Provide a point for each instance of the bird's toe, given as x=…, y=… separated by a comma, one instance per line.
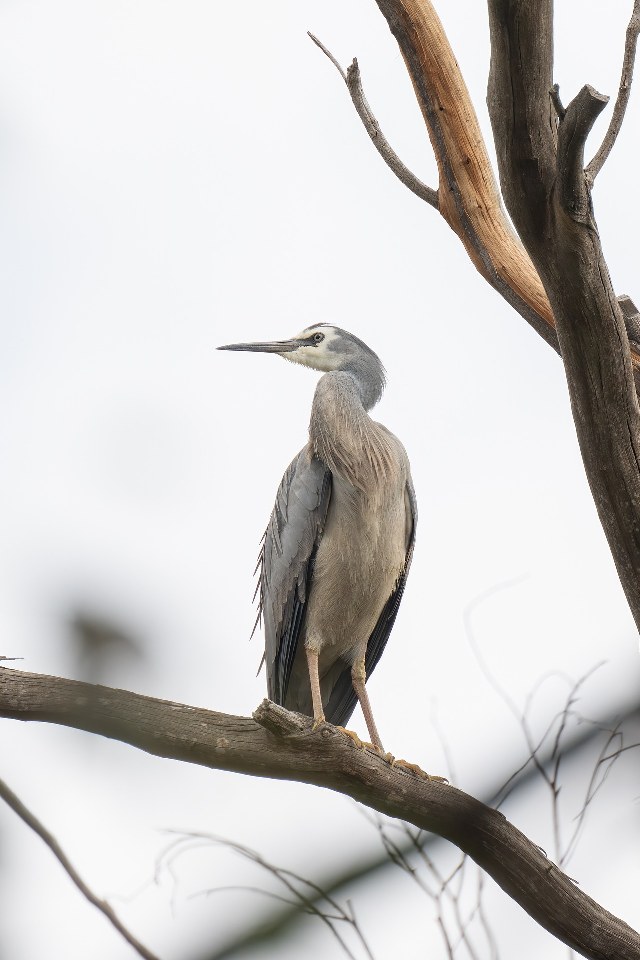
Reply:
x=362, y=745
x=415, y=769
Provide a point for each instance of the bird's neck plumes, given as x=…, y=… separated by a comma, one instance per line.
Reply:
x=343, y=435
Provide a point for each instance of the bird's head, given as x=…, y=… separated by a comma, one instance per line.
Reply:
x=321, y=346
x=327, y=348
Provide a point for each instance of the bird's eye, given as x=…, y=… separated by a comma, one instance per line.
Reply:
x=318, y=337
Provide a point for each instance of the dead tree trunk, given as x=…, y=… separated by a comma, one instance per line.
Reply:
x=554, y=273
x=540, y=148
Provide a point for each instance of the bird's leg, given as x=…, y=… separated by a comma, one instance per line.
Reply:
x=358, y=677
x=314, y=680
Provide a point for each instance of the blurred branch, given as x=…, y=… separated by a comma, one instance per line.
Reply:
x=32, y=821
x=283, y=745
x=308, y=897
x=98, y=643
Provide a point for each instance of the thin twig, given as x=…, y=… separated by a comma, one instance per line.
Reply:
x=354, y=85
x=445, y=892
x=602, y=768
x=484, y=923
x=624, y=91
x=32, y=821
x=292, y=882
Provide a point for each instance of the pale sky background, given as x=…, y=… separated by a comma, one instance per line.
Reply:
x=178, y=175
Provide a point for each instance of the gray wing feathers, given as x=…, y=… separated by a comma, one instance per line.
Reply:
x=286, y=562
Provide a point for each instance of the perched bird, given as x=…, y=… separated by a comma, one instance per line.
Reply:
x=337, y=550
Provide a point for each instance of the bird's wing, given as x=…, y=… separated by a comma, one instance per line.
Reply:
x=343, y=700
x=286, y=563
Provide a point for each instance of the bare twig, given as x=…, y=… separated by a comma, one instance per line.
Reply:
x=308, y=895
x=443, y=890
x=371, y=125
x=105, y=908
x=549, y=767
x=484, y=923
x=594, y=167
x=557, y=731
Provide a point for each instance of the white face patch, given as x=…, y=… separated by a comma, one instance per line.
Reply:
x=317, y=355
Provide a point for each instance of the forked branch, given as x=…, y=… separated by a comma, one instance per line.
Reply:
x=549, y=200
x=467, y=196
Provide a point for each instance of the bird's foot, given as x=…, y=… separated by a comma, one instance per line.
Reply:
x=360, y=744
x=317, y=722
x=414, y=769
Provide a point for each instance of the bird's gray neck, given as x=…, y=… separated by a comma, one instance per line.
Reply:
x=342, y=433
x=368, y=375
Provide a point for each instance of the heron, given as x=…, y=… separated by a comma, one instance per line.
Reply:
x=337, y=550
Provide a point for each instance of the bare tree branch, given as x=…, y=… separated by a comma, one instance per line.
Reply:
x=581, y=735
x=624, y=92
x=354, y=85
x=631, y=319
x=468, y=197
x=283, y=745
x=105, y=908
x=548, y=197
x=575, y=125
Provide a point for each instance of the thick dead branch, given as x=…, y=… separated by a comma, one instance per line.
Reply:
x=353, y=81
x=328, y=758
x=547, y=194
x=574, y=128
x=624, y=92
x=548, y=197
x=468, y=197
x=268, y=931
x=105, y=908
x=631, y=316
x=477, y=217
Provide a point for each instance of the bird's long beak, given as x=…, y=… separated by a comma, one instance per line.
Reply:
x=273, y=346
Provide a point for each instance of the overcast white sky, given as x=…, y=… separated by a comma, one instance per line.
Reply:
x=178, y=175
